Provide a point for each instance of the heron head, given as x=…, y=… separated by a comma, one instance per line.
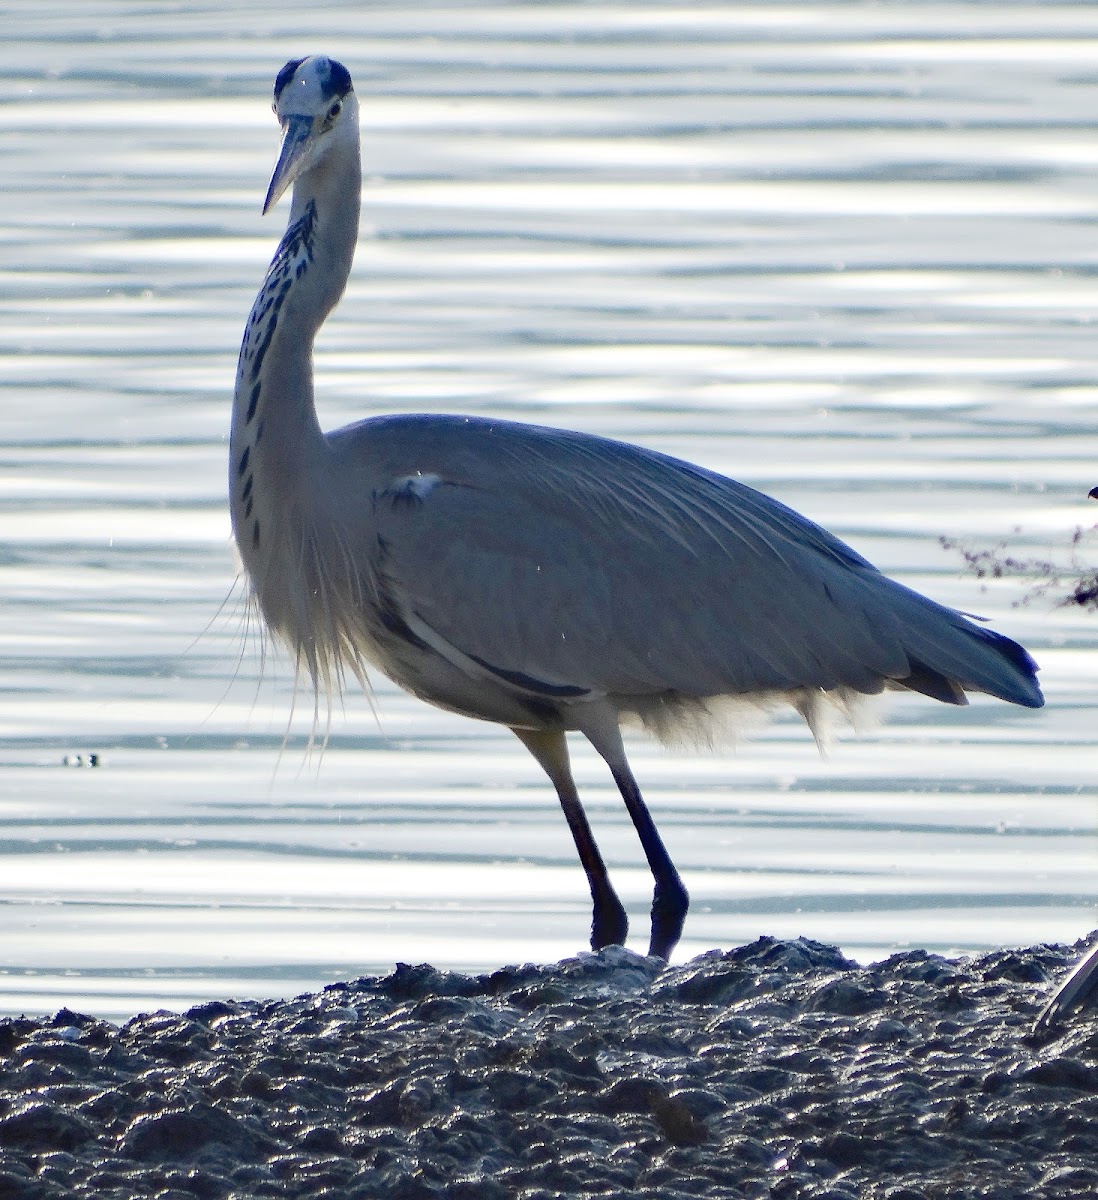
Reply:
x=316, y=106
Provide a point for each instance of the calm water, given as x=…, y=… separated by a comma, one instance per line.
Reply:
x=843, y=252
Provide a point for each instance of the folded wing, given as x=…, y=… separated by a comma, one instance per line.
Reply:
x=589, y=564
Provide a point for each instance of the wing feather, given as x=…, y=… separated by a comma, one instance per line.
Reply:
x=591, y=564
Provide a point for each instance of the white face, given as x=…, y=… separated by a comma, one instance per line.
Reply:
x=314, y=88
x=317, y=108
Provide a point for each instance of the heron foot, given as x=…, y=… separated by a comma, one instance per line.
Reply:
x=609, y=924
x=669, y=907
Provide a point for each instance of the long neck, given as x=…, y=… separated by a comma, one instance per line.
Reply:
x=273, y=409
x=278, y=454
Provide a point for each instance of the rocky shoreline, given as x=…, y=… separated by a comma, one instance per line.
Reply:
x=777, y=1069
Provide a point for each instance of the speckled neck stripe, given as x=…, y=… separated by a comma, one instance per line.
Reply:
x=292, y=259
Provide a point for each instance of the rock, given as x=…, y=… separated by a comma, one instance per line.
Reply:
x=1063, y=1073
x=849, y=997
x=40, y=1125
x=676, y=1119
x=183, y=1133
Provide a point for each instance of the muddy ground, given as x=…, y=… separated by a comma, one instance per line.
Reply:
x=779, y=1069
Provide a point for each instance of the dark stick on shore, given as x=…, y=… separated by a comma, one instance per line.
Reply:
x=777, y=1069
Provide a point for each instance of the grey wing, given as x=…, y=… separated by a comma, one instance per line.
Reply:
x=590, y=566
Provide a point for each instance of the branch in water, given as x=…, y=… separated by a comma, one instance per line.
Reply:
x=1047, y=578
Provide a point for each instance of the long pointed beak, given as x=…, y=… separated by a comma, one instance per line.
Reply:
x=291, y=157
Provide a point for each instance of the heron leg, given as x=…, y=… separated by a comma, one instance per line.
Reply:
x=609, y=924
x=670, y=900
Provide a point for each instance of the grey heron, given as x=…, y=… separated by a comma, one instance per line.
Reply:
x=547, y=580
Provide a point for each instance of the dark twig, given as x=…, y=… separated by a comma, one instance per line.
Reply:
x=1047, y=577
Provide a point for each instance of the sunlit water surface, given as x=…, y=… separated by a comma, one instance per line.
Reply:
x=843, y=252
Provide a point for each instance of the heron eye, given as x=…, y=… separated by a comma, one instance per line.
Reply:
x=335, y=110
